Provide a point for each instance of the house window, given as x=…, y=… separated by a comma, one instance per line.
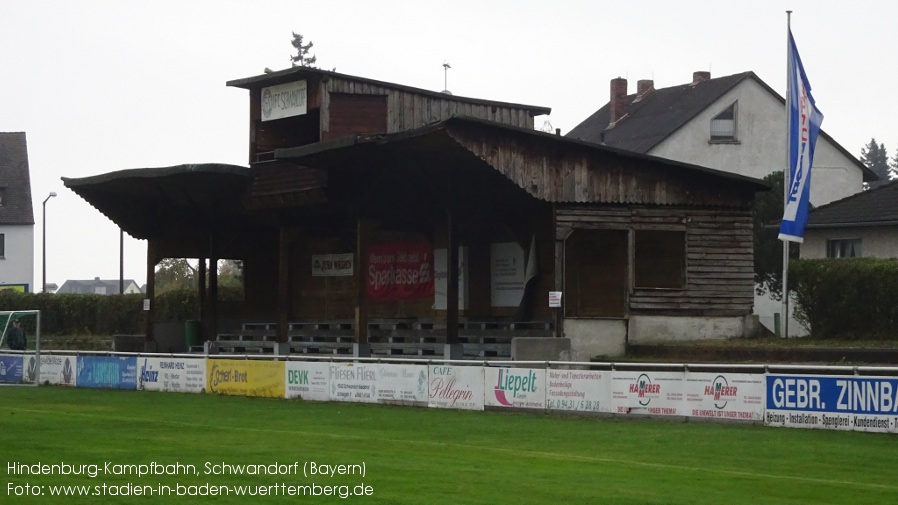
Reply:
x=723, y=125
x=2, y=246
x=843, y=248
x=660, y=259
x=99, y=290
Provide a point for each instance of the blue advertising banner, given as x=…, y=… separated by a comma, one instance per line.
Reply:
x=11, y=368
x=107, y=372
x=832, y=402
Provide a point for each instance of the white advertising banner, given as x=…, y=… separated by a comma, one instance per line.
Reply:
x=55, y=369
x=284, y=100
x=332, y=265
x=837, y=402
x=180, y=375
x=402, y=384
x=578, y=390
x=724, y=396
x=307, y=380
x=523, y=388
x=652, y=392
x=353, y=382
x=506, y=274
x=441, y=274
x=455, y=387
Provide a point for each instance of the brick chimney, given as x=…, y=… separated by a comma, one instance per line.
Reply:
x=618, y=100
x=644, y=85
x=700, y=76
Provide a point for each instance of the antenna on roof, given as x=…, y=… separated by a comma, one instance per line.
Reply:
x=446, y=68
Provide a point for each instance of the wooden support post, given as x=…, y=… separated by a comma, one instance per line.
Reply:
x=559, y=286
x=361, y=304
x=451, y=280
x=213, y=289
x=151, y=288
x=203, y=296
x=283, y=301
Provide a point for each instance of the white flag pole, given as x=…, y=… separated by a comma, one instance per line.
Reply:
x=787, y=171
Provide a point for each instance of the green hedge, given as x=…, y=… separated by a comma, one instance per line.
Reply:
x=66, y=314
x=847, y=298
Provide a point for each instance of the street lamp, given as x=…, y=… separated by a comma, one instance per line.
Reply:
x=51, y=195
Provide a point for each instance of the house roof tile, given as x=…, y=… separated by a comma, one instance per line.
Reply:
x=15, y=181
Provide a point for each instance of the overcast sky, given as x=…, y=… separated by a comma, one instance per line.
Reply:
x=100, y=86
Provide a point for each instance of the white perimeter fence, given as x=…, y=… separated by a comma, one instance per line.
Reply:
x=829, y=397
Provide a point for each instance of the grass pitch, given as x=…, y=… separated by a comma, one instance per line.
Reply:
x=419, y=455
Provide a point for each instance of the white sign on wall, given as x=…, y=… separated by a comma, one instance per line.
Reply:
x=455, y=387
x=332, y=265
x=441, y=274
x=724, y=396
x=353, y=382
x=55, y=369
x=307, y=380
x=284, y=100
x=649, y=392
x=171, y=374
x=506, y=274
x=523, y=388
x=402, y=384
x=578, y=390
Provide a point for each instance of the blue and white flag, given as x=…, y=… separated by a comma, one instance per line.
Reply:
x=804, y=125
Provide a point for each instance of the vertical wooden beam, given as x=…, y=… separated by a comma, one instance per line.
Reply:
x=559, y=286
x=451, y=280
x=213, y=286
x=151, y=288
x=283, y=301
x=561, y=234
x=203, y=298
x=361, y=303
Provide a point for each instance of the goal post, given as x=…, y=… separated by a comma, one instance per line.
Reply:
x=15, y=363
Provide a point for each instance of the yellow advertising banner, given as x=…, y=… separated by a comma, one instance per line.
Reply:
x=245, y=377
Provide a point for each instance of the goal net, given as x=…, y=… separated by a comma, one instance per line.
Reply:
x=20, y=347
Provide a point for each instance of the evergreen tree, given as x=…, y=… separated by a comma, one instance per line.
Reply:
x=876, y=158
x=766, y=213
x=302, y=57
x=893, y=168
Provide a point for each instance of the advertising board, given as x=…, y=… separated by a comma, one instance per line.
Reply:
x=847, y=402
x=107, y=372
x=180, y=375
x=455, y=387
x=245, y=377
x=724, y=396
x=647, y=392
x=578, y=390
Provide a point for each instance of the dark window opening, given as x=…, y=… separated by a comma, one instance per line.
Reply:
x=660, y=259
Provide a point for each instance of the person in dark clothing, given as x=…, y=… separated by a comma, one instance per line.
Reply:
x=15, y=337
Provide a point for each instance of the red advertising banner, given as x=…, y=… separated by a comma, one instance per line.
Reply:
x=399, y=271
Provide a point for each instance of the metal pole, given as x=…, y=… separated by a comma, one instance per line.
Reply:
x=787, y=173
x=44, y=241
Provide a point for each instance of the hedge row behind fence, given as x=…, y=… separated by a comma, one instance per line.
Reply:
x=847, y=298
x=67, y=314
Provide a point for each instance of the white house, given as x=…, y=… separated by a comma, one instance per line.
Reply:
x=861, y=225
x=734, y=123
x=97, y=286
x=16, y=215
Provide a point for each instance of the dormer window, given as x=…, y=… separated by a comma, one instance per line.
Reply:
x=723, y=125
